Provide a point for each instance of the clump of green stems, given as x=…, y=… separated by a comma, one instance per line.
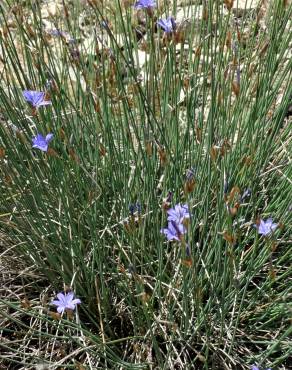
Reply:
x=128, y=130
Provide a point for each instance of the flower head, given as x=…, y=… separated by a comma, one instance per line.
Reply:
x=144, y=4
x=65, y=301
x=254, y=367
x=173, y=231
x=36, y=98
x=178, y=214
x=168, y=25
x=265, y=227
x=41, y=142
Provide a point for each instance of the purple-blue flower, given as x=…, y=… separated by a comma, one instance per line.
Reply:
x=266, y=227
x=173, y=231
x=168, y=25
x=57, y=32
x=41, y=142
x=36, y=98
x=65, y=301
x=254, y=367
x=144, y=4
x=178, y=214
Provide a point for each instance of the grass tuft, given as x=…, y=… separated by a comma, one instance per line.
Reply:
x=143, y=120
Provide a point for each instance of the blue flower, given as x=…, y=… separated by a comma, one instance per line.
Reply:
x=65, y=302
x=168, y=25
x=144, y=4
x=178, y=214
x=266, y=227
x=35, y=98
x=177, y=218
x=57, y=32
x=173, y=231
x=254, y=367
x=41, y=142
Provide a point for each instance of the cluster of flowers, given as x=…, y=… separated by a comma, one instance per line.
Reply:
x=67, y=302
x=37, y=99
x=168, y=24
x=178, y=218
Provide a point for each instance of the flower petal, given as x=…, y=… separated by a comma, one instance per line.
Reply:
x=68, y=297
x=61, y=297
x=44, y=102
x=27, y=94
x=38, y=97
x=70, y=306
x=61, y=309
x=49, y=137
x=76, y=301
